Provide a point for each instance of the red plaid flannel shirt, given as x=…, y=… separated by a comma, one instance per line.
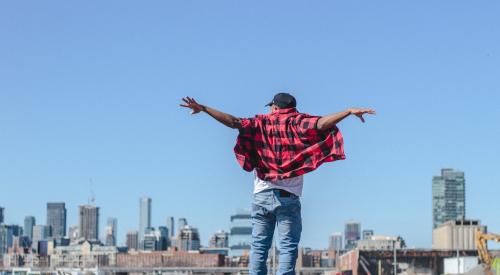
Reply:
x=286, y=144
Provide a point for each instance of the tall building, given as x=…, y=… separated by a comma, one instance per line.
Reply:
x=89, y=222
x=240, y=235
x=40, y=233
x=56, y=219
x=151, y=240
x=456, y=235
x=7, y=234
x=352, y=234
x=448, y=196
x=74, y=232
x=29, y=223
x=163, y=238
x=181, y=223
x=189, y=239
x=335, y=242
x=133, y=240
x=144, y=217
x=2, y=217
x=367, y=234
x=111, y=231
x=219, y=240
x=171, y=227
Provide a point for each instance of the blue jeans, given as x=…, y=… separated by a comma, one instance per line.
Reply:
x=268, y=210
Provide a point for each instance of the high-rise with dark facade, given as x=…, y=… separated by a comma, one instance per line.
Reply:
x=133, y=240
x=1, y=215
x=56, y=219
x=89, y=222
x=163, y=239
x=448, y=197
x=29, y=223
x=352, y=234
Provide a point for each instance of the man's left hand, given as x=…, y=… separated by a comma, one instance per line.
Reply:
x=360, y=112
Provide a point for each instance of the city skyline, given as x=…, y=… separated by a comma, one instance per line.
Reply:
x=353, y=230
x=99, y=99
x=56, y=214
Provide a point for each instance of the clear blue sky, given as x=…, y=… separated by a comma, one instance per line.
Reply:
x=91, y=89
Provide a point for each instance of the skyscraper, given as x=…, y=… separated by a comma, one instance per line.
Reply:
x=335, y=242
x=240, y=235
x=89, y=222
x=29, y=223
x=144, y=217
x=352, y=234
x=448, y=197
x=111, y=231
x=163, y=241
x=7, y=234
x=171, y=227
x=56, y=219
x=151, y=240
x=189, y=239
x=1, y=215
x=40, y=233
x=219, y=240
x=132, y=240
x=181, y=223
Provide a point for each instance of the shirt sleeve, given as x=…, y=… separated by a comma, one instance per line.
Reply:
x=247, y=129
x=245, y=147
x=307, y=125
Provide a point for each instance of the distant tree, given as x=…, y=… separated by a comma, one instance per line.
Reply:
x=402, y=241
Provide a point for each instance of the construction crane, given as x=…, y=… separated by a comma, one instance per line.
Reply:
x=491, y=263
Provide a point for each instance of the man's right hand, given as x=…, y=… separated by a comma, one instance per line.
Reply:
x=192, y=104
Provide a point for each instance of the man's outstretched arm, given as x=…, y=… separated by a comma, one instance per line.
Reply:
x=327, y=122
x=226, y=119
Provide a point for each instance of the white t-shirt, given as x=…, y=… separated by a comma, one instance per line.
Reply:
x=292, y=185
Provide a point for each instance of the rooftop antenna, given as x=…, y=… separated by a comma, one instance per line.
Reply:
x=92, y=195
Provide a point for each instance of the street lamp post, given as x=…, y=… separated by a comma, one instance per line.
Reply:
x=395, y=259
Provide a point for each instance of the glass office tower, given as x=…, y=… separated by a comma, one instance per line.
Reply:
x=448, y=196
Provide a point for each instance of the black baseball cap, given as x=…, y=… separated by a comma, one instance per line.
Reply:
x=283, y=100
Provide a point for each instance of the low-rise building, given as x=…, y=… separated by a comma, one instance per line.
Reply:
x=456, y=235
x=408, y=261
x=83, y=255
x=168, y=259
x=14, y=259
x=379, y=243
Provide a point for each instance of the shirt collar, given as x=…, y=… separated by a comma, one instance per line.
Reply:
x=285, y=111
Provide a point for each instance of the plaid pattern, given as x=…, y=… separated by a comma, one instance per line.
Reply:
x=286, y=144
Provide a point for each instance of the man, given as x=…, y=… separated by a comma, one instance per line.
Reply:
x=280, y=147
